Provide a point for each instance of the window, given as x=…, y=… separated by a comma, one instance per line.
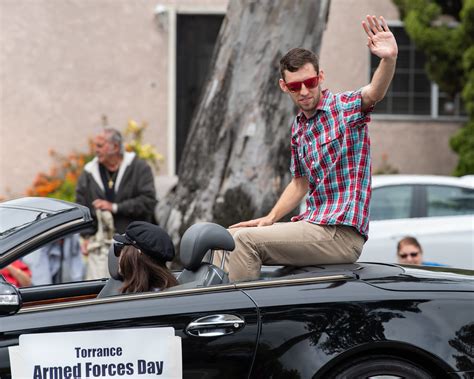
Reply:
x=195, y=40
x=58, y=261
x=391, y=202
x=13, y=220
x=411, y=91
x=449, y=201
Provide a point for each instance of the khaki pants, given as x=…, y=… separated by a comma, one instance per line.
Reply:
x=289, y=244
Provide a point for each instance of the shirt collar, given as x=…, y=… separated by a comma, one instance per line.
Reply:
x=323, y=105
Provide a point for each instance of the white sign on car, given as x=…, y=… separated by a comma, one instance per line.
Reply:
x=116, y=353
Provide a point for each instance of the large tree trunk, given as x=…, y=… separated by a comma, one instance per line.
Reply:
x=236, y=160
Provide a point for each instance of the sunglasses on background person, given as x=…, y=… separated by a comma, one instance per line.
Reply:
x=118, y=247
x=413, y=255
x=308, y=83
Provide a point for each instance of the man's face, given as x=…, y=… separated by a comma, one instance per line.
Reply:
x=104, y=149
x=410, y=254
x=305, y=98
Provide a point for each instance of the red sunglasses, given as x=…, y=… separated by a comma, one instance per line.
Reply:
x=308, y=83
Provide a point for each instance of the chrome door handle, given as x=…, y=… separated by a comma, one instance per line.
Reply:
x=214, y=326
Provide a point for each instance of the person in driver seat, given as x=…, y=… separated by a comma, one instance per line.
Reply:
x=143, y=251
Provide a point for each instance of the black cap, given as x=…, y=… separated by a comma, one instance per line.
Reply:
x=150, y=239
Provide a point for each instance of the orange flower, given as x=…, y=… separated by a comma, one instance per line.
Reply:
x=71, y=177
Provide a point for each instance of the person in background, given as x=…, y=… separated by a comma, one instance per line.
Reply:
x=57, y=262
x=143, y=251
x=118, y=182
x=17, y=273
x=409, y=252
x=118, y=185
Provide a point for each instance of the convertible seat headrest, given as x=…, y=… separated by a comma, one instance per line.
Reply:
x=199, y=239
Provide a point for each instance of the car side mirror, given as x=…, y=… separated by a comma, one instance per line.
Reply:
x=10, y=299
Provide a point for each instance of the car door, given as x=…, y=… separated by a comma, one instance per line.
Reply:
x=391, y=218
x=441, y=217
x=218, y=325
x=446, y=231
x=296, y=315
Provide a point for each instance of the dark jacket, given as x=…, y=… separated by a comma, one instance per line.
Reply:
x=135, y=194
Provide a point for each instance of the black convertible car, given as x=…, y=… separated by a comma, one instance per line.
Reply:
x=363, y=320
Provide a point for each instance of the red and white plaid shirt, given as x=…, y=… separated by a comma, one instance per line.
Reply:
x=332, y=149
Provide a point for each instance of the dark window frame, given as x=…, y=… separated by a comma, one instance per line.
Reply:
x=433, y=97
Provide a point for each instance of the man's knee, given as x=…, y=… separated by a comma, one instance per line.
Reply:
x=243, y=236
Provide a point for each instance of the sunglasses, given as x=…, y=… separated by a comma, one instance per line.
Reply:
x=308, y=83
x=413, y=255
x=118, y=247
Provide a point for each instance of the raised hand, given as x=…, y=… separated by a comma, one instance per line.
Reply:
x=381, y=41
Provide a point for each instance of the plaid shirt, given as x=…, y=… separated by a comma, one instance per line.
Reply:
x=332, y=149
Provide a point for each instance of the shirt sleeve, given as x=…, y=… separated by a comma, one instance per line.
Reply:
x=296, y=167
x=352, y=105
x=39, y=264
x=76, y=268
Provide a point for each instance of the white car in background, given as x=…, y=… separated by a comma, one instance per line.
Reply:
x=437, y=210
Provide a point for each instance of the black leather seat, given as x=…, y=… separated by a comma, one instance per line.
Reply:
x=200, y=239
x=112, y=287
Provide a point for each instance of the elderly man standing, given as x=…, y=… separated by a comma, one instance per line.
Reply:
x=116, y=183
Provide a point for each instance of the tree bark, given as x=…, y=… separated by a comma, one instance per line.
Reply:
x=237, y=155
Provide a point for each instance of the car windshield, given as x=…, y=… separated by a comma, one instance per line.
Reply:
x=13, y=219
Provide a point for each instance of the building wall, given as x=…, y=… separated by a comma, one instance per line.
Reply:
x=66, y=63
x=412, y=146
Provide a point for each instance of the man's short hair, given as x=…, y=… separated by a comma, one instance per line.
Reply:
x=114, y=136
x=297, y=58
x=408, y=240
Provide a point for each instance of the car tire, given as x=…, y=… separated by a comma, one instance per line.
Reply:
x=383, y=366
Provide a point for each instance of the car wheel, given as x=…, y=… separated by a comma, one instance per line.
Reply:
x=381, y=367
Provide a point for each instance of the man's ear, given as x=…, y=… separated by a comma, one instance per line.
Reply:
x=116, y=148
x=282, y=84
x=321, y=76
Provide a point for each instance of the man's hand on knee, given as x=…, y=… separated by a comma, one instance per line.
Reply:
x=262, y=221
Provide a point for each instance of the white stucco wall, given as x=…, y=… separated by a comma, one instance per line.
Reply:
x=65, y=63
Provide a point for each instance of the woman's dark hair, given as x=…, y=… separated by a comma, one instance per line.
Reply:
x=141, y=273
x=297, y=58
